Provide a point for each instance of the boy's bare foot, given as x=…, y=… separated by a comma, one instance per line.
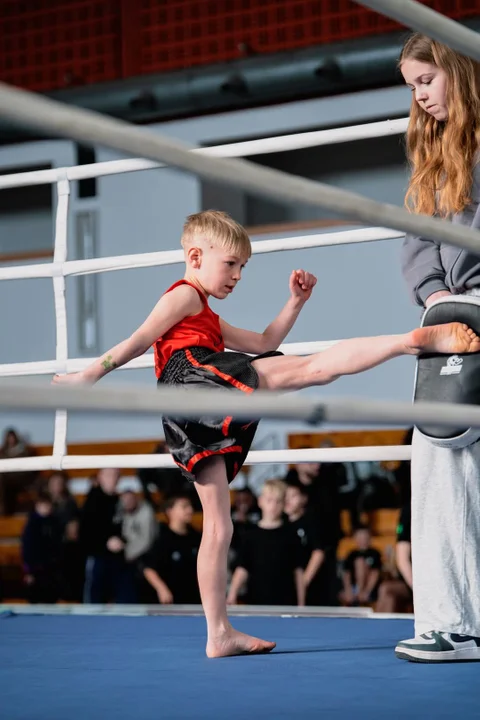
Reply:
x=233, y=642
x=449, y=338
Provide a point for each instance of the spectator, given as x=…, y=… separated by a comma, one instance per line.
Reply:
x=245, y=515
x=171, y=566
x=72, y=559
x=270, y=557
x=323, y=482
x=72, y=564
x=308, y=532
x=41, y=547
x=395, y=595
x=107, y=576
x=245, y=507
x=11, y=484
x=139, y=526
x=361, y=572
x=65, y=508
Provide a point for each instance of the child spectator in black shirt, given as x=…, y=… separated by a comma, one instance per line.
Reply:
x=41, y=546
x=361, y=571
x=270, y=557
x=245, y=516
x=308, y=530
x=171, y=566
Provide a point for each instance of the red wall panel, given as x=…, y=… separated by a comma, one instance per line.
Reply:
x=47, y=44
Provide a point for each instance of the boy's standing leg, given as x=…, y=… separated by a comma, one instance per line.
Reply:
x=213, y=490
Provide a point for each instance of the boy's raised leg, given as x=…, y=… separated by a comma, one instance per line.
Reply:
x=213, y=490
x=356, y=355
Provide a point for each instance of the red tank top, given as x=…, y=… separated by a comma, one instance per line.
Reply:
x=201, y=330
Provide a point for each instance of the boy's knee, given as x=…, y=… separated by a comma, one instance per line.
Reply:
x=316, y=373
x=220, y=532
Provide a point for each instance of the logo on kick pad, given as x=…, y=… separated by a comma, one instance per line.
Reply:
x=453, y=367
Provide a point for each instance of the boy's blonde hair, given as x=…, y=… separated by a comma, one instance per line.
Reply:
x=218, y=228
x=276, y=486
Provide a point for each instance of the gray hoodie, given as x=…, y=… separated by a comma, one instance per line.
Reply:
x=429, y=266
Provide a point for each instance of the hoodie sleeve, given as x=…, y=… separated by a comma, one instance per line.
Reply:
x=422, y=268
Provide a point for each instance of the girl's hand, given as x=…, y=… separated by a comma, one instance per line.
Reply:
x=302, y=284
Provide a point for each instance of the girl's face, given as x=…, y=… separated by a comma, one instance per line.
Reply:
x=429, y=83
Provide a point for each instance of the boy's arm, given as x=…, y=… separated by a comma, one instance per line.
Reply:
x=300, y=586
x=239, y=578
x=161, y=588
x=314, y=564
x=403, y=554
x=301, y=286
x=170, y=310
x=347, y=575
x=347, y=581
x=372, y=579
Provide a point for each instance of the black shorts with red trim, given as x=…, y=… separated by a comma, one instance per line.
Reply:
x=192, y=442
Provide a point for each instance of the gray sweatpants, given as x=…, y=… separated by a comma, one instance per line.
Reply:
x=446, y=537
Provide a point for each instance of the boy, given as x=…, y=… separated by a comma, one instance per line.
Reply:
x=171, y=566
x=41, y=548
x=189, y=341
x=361, y=570
x=307, y=527
x=270, y=558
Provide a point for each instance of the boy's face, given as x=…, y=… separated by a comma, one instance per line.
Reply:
x=218, y=270
x=181, y=513
x=311, y=468
x=243, y=501
x=271, y=503
x=129, y=501
x=362, y=538
x=295, y=501
x=108, y=479
x=43, y=508
x=56, y=485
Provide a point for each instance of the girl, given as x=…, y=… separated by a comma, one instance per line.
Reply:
x=443, y=141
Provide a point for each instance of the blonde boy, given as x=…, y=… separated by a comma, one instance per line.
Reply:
x=189, y=340
x=270, y=559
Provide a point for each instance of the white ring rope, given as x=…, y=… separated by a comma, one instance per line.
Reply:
x=256, y=457
x=92, y=128
x=50, y=367
x=423, y=19
x=172, y=257
x=280, y=143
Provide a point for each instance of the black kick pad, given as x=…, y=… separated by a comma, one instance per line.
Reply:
x=450, y=378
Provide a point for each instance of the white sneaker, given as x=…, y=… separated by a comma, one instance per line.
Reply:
x=436, y=646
